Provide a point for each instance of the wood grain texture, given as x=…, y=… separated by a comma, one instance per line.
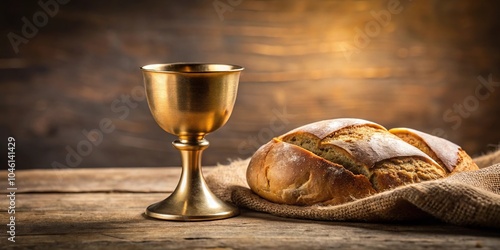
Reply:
x=104, y=180
x=304, y=62
x=108, y=220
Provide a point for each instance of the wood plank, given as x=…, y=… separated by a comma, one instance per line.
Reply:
x=103, y=209
x=96, y=180
x=115, y=221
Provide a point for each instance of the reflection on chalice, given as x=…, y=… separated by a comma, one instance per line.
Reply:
x=191, y=100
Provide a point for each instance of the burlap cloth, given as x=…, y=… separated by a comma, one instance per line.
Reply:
x=467, y=199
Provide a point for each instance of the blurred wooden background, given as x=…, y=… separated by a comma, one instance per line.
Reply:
x=421, y=64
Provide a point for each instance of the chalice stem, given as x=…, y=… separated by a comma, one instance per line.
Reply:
x=192, y=182
x=191, y=200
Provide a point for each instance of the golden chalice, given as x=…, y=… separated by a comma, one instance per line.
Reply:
x=191, y=100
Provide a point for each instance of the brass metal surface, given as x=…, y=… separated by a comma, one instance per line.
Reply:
x=191, y=100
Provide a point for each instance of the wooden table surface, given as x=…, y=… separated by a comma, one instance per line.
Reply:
x=103, y=209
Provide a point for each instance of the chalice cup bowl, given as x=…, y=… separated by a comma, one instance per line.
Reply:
x=190, y=100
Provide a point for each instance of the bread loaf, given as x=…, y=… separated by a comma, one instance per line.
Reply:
x=336, y=161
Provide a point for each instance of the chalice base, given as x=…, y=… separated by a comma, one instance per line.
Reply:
x=194, y=208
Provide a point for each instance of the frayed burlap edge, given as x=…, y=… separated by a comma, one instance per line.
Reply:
x=467, y=199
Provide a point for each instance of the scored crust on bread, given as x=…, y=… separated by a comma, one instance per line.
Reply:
x=336, y=161
x=285, y=173
x=364, y=147
x=447, y=154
